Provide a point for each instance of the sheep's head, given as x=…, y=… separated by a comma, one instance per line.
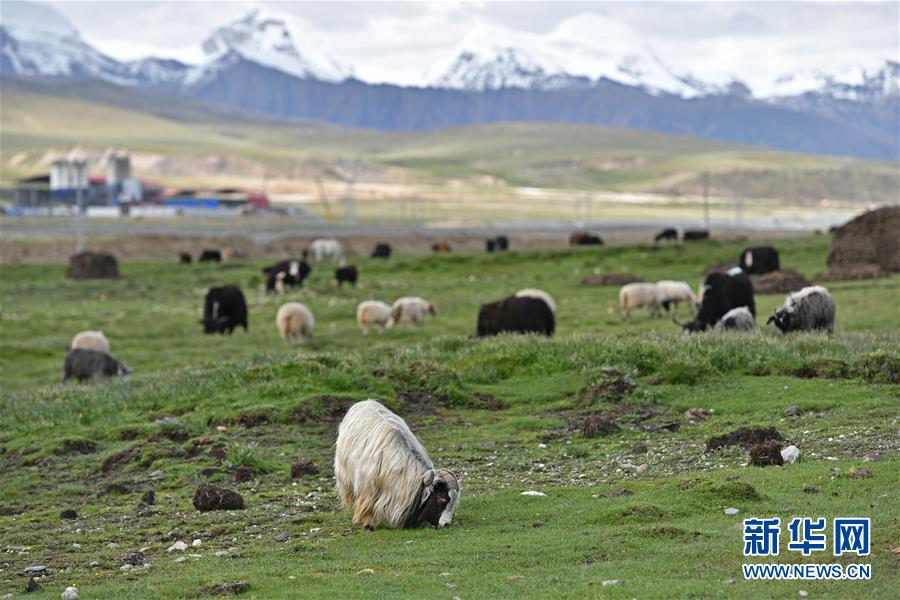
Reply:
x=440, y=495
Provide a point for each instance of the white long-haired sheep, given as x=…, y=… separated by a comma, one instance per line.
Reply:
x=540, y=295
x=677, y=292
x=373, y=312
x=636, y=295
x=90, y=340
x=736, y=319
x=811, y=308
x=294, y=322
x=323, y=248
x=384, y=474
x=412, y=309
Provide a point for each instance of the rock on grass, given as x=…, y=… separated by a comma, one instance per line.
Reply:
x=766, y=454
x=229, y=589
x=213, y=497
x=69, y=514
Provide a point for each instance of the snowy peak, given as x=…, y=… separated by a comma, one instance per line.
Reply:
x=29, y=21
x=580, y=50
x=282, y=42
x=852, y=83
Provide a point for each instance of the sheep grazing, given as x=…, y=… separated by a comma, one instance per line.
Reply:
x=412, y=309
x=383, y=473
x=502, y=243
x=382, y=250
x=490, y=246
x=82, y=364
x=348, y=274
x=516, y=315
x=540, y=295
x=737, y=319
x=210, y=256
x=184, y=258
x=441, y=246
x=719, y=294
x=759, y=260
x=669, y=234
x=637, y=295
x=809, y=309
x=91, y=340
x=695, y=235
x=319, y=250
x=373, y=312
x=294, y=322
x=677, y=292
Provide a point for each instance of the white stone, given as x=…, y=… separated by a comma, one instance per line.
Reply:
x=731, y=511
x=181, y=560
x=197, y=543
x=125, y=568
x=222, y=553
x=790, y=454
x=607, y=582
x=803, y=593
x=533, y=493
x=179, y=546
x=71, y=593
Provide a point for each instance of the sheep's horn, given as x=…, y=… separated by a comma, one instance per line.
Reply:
x=676, y=321
x=428, y=478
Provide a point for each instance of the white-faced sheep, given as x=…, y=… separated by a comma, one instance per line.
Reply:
x=811, y=308
x=636, y=295
x=677, y=292
x=295, y=322
x=324, y=248
x=412, y=309
x=383, y=473
x=736, y=319
x=373, y=312
x=540, y=295
x=91, y=340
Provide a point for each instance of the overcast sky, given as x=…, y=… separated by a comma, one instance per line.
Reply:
x=396, y=41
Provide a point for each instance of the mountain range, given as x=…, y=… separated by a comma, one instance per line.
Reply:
x=588, y=69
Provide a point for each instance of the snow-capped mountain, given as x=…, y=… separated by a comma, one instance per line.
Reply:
x=273, y=40
x=857, y=83
x=579, y=51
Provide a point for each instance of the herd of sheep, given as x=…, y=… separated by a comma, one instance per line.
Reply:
x=724, y=301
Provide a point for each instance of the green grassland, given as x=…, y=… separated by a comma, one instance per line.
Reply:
x=584, y=157
x=504, y=413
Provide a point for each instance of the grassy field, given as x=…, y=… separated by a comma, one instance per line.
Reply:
x=178, y=143
x=506, y=414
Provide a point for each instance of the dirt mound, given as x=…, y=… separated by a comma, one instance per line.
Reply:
x=610, y=385
x=852, y=272
x=766, y=454
x=325, y=408
x=92, y=265
x=213, y=497
x=299, y=468
x=721, y=267
x=782, y=281
x=611, y=279
x=871, y=238
x=594, y=425
x=745, y=437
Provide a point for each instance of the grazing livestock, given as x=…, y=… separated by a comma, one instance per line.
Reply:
x=809, y=309
x=294, y=321
x=540, y=295
x=224, y=309
x=502, y=242
x=319, y=250
x=83, y=364
x=184, y=258
x=490, y=246
x=677, y=292
x=759, y=260
x=736, y=319
x=210, y=256
x=719, y=294
x=635, y=295
x=383, y=473
x=582, y=238
x=286, y=274
x=347, y=274
x=669, y=234
x=373, y=312
x=694, y=235
x=382, y=250
x=91, y=340
x=516, y=315
x=441, y=246
x=412, y=309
